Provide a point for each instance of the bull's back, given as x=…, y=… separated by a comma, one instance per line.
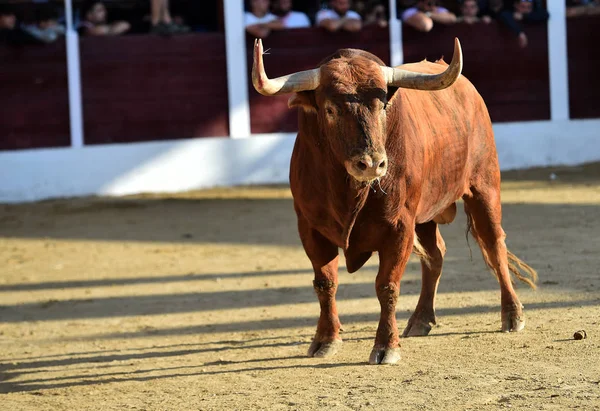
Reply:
x=450, y=130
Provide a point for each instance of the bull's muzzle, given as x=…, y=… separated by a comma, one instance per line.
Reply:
x=367, y=167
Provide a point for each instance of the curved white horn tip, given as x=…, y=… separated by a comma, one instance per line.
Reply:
x=457, y=50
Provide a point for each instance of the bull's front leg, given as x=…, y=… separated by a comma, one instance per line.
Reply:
x=392, y=262
x=324, y=258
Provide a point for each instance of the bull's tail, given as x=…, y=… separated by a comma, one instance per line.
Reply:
x=516, y=266
x=521, y=270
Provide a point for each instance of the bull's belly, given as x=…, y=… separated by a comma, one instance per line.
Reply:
x=442, y=210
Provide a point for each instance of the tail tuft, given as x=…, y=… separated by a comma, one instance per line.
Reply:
x=522, y=271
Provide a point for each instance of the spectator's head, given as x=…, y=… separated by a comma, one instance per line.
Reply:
x=8, y=20
x=524, y=6
x=427, y=5
x=469, y=8
x=282, y=7
x=94, y=12
x=341, y=7
x=46, y=17
x=259, y=7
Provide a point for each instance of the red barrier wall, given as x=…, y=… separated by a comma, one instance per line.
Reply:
x=34, y=100
x=140, y=88
x=583, y=40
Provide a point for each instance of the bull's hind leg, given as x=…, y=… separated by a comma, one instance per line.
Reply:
x=423, y=318
x=324, y=258
x=484, y=211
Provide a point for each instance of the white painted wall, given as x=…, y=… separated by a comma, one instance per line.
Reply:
x=207, y=162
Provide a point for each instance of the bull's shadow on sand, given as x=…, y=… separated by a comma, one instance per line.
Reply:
x=102, y=374
x=86, y=368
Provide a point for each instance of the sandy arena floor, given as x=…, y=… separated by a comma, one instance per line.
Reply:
x=204, y=301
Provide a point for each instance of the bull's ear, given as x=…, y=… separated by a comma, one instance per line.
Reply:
x=304, y=100
x=390, y=94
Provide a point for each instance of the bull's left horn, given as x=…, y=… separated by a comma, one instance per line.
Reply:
x=300, y=81
x=420, y=81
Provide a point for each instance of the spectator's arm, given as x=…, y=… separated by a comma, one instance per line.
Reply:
x=275, y=25
x=119, y=27
x=419, y=21
x=443, y=17
x=258, y=30
x=352, y=25
x=331, y=24
x=114, y=29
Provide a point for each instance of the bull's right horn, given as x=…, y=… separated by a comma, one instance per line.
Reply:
x=300, y=81
x=420, y=81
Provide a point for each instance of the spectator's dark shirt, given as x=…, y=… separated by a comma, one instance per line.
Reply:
x=506, y=17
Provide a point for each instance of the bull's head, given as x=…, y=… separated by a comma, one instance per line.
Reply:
x=349, y=96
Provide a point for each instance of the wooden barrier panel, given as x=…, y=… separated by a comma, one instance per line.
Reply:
x=514, y=82
x=583, y=39
x=296, y=50
x=34, y=97
x=141, y=88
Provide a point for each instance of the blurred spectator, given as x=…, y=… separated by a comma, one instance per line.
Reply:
x=9, y=30
x=469, y=10
x=259, y=22
x=522, y=10
x=289, y=18
x=425, y=13
x=372, y=12
x=491, y=7
x=95, y=23
x=339, y=17
x=161, y=20
x=46, y=28
x=582, y=7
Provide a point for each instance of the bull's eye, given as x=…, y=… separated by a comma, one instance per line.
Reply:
x=329, y=111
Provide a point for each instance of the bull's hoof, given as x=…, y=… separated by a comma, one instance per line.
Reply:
x=416, y=328
x=513, y=321
x=382, y=355
x=321, y=349
x=419, y=325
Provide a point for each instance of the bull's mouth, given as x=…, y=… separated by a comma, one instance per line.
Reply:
x=362, y=177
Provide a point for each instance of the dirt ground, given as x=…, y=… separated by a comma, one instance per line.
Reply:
x=204, y=300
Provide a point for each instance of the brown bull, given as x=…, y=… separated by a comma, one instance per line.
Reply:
x=377, y=165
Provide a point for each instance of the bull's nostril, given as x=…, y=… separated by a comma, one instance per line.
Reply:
x=382, y=164
x=362, y=165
